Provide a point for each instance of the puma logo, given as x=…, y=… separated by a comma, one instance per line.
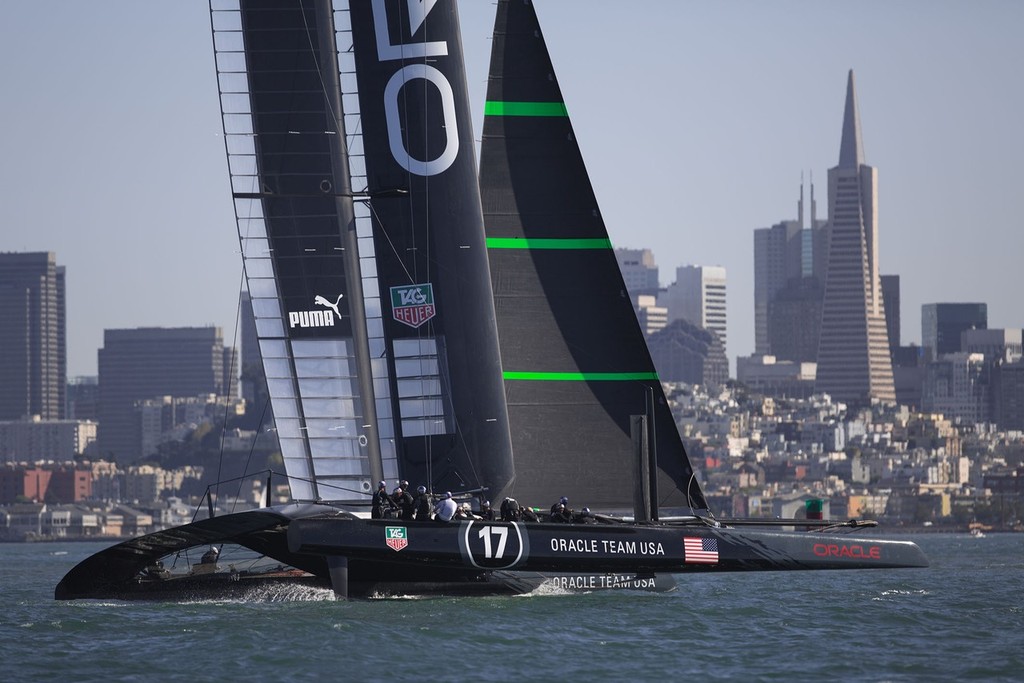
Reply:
x=320, y=301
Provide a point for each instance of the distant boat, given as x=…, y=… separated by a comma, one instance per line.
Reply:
x=418, y=323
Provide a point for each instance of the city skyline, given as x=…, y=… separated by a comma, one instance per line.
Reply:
x=696, y=123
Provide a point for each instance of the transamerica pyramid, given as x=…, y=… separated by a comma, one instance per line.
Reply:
x=854, y=365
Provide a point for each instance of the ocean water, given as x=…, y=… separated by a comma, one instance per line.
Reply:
x=960, y=619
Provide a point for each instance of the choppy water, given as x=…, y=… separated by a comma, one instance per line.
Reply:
x=960, y=619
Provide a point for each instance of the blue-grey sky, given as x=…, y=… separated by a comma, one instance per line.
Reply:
x=696, y=120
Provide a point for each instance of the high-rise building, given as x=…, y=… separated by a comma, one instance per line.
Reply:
x=650, y=315
x=1008, y=394
x=942, y=324
x=33, y=337
x=144, y=363
x=957, y=385
x=698, y=296
x=891, y=299
x=789, y=276
x=639, y=271
x=995, y=345
x=854, y=362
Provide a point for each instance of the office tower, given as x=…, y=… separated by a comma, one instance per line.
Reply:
x=144, y=363
x=33, y=337
x=854, y=362
x=995, y=345
x=698, y=295
x=1008, y=394
x=942, y=324
x=83, y=395
x=789, y=265
x=651, y=316
x=958, y=386
x=639, y=271
x=891, y=300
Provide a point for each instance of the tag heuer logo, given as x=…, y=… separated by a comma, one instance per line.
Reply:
x=413, y=304
x=396, y=537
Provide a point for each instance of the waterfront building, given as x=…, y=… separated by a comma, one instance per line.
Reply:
x=854, y=362
x=49, y=482
x=33, y=337
x=37, y=439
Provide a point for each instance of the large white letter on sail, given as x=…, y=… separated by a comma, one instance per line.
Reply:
x=451, y=128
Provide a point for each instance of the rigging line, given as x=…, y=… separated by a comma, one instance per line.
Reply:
x=225, y=386
x=394, y=250
x=252, y=449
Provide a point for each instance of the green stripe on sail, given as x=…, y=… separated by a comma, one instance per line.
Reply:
x=525, y=109
x=547, y=243
x=582, y=376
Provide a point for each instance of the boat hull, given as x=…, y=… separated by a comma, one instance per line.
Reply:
x=596, y=548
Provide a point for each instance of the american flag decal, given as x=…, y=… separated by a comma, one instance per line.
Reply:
x=700, y=550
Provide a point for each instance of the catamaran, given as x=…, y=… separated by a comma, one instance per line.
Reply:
x=419, y=320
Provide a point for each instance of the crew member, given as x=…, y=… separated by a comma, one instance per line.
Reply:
x=510, y=510
x=561, y=514
x=422, y=504
x=381, y=501
x=444, y=509
x=486, y=512
x=584, y=517
x=563, y=501
x=406, y=505
x=527, y=514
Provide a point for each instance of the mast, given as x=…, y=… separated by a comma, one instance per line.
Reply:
x=343, y=202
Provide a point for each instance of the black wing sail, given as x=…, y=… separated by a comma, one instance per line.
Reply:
x=428, y=239
x=575, y=362
x=277, y=73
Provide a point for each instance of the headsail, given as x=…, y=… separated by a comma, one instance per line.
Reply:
x=363, y=243
x=575, y=362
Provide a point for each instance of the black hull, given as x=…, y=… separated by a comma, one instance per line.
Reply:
x=595, y=548
x=119, y=572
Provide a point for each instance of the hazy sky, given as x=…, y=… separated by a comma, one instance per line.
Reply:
x=696, y=120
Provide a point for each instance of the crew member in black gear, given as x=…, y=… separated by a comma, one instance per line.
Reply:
x=563, y=501
x=406, y=505
x=510, y=510
x=423, y=504
x=486, y=511
x=561, y=514
x=584, y=517
x=381, y=501
x=527, y=514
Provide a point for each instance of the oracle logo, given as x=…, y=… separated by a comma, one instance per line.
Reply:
x=859, y=552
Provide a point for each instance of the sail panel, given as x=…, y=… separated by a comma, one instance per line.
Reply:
x=575, y=361
x=295, y=213
x=431, y=261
